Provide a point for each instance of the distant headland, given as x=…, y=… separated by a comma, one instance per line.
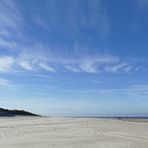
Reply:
x=12, y=113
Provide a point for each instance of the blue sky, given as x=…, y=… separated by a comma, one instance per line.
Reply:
x=74, y=57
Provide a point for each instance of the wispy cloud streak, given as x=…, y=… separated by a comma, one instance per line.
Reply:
x=4, y=82
x=142, y=3
x=46, y=60
x=73, y=16
x=32, y=56
x=120, y=67
x=10, y=18
x=6, y=63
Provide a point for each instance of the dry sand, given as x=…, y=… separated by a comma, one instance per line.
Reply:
x=41, y=132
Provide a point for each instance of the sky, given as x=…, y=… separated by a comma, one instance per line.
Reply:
x=74, y=57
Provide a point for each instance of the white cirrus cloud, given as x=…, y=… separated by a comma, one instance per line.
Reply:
x=72, y=68
x=31, y=61
x=10, y=18
x=94, y=64
x=46, y=67
x=6, y=63
x=25, y=65
x=41, y=57
x=92, y=17
x=119, y=67
x=89, y=67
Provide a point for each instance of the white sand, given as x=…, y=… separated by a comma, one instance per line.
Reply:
x=37, y=132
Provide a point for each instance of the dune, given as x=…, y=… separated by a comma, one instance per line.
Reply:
x=37, y=132
x=12, y=113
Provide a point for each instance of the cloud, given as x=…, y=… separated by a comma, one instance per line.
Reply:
x=46, y=60
x=96, y=82
x=138, y=90
x=73, y=17
x=6, y=63
x=140, y=17
x=4, y=82
x=142, y=3
x=32, y=56
x=139, y=87
x=47, y=67
x=11, y=25
x=7, y=44
x=25, y=65
x=120, y=67
x=132, y=90
x=72, y=68
x=34, y=61
x=10, y=18
x=42, y=57
x=89, y=64
x=95, y=63
x=88, y=68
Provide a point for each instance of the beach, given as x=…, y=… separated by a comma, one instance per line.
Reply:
x=45, y=132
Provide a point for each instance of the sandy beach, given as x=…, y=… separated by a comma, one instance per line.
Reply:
x=37, y=132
